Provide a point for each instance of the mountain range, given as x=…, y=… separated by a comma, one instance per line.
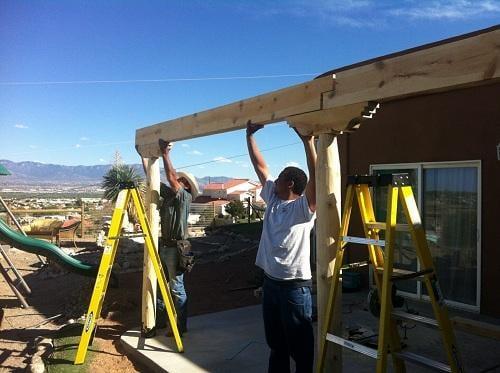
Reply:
x=35, y=173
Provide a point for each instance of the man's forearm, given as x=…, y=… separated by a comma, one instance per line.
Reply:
x=258, y=162
x=311, y=159
x=311, y=156
x=169, y=168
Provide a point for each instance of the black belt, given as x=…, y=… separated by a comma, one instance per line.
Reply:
x=293, y=283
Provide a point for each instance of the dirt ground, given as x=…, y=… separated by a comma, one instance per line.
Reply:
x=223, y=278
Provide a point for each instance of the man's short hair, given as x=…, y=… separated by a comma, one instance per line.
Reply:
x=298, y=177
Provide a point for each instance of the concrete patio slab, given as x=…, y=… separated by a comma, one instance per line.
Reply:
x=233, y=341
x=229, y=341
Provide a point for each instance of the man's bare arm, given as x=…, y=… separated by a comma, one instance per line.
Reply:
x=258, y=162
x=311, y=158
x=170, y=173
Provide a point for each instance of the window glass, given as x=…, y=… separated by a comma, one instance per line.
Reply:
x=450, y=221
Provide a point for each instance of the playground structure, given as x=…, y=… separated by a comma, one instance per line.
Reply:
x=335, y=102
x=41, y=248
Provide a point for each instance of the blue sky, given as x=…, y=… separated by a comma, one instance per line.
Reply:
x=77, y=78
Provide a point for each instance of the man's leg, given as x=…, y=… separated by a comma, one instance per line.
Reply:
x=279, y=359
x=170, y=258
x=296, y=307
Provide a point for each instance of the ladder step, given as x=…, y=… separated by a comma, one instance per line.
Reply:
x=427, y=321
x=403, y=274
x=424, y=361
x=362, y=240
x=371, y=352
x=382, y=226
x=127, y=236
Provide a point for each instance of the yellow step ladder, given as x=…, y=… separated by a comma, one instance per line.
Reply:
x=385, y=274
x=128, y=192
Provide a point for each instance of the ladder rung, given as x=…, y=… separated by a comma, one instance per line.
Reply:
x=362, y=240
x=352, y=345
x=403, y=274
x=427, y=321
x=127, y=236
x=424, y=361
x=381, y=225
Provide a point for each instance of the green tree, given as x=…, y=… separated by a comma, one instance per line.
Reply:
x=236, y=209
x=117, y=175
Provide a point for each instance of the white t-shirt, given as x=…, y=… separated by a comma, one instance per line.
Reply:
x=284, y=248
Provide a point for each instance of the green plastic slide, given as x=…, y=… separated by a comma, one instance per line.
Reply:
x=44, y=248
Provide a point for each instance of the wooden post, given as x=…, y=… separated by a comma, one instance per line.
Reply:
x=149, y=276
x=328, y=207
x=82, y=219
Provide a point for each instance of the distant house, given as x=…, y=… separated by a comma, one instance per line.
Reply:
x=234, y=189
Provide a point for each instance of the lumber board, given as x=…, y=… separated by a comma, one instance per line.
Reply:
x=263, y=109
x=331, y=120
x=480, y=328
x=328, y=208
x=326, y=104
x=462, y=63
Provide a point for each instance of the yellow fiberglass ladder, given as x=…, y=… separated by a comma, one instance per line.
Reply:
x=127, y=193
x=385, y=275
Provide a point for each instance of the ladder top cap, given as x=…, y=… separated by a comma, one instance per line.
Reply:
x=380, y=180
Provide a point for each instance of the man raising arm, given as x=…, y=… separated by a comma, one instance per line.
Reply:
x=284, y=255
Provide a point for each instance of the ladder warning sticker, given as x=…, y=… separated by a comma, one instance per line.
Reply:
x=89, y=321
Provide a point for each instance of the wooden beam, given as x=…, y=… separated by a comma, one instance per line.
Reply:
x=480, y=328
x=462, y=63
x=328, y=196
x=264, y=109
x=332, y=120
x=149, y=280
x=325, y=104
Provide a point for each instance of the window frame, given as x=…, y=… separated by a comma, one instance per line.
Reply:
x=420, y=166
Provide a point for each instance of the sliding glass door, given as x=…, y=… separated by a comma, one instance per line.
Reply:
x=448, y=196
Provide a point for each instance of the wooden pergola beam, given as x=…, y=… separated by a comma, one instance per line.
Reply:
x=264, y=109
x=462, y=63
x=331, y=103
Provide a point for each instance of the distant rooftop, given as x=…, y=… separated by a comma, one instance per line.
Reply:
x=228, y=184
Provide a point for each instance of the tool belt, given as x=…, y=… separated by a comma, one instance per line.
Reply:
x=186, y=256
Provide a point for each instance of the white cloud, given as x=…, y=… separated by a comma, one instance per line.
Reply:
x=78, y=146
x=222, y=160
x=102, y=160
x=83, y=138
x=195, y=152
x=352, y=13
x=242, y=164
x=22, y=126
x=373, y=14
x=448, y=9
x=292, y=164
x=185, y=145
x=33, y=146
x=201, y=166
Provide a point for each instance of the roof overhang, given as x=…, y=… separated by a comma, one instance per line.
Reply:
x=344, y=98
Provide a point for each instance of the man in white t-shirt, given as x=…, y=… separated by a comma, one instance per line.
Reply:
x=283, y=254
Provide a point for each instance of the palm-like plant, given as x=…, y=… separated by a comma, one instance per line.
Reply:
x=116, y=177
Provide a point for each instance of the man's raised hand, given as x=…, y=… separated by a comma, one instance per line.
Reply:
x=252, y=128
x=165, y=146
